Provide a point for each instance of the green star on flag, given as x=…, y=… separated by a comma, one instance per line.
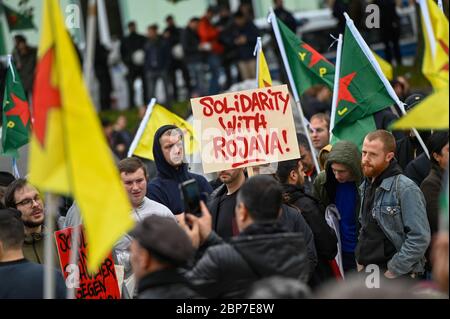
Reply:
x=16, y=114
x=308, y=66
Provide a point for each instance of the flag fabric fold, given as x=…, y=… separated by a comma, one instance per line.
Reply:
x=361, y=90
x=16, y=114
x=435, y=33
x=16, y=20
x=69, y=153
x=308, y=66
x=161, y=116
x=431, y=113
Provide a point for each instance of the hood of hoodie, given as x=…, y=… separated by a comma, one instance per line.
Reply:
x=270, y=250
x=165, y=170
x=347, y=153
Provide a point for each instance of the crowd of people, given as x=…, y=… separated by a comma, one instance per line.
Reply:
x=289, y=232
x=251, y=229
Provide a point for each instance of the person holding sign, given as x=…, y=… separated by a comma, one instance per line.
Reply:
x=19, y=277
x=168, y=152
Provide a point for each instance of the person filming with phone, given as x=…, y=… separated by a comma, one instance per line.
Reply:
x=262, y=249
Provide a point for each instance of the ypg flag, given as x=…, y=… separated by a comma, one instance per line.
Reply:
x=69, y=153
x=308, y=66
x=361, y=90
x=16, y=20
x=435, y=34
x=16, y=114
x=264, y=78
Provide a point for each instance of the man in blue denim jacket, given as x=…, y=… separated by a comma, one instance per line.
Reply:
x=395, y=232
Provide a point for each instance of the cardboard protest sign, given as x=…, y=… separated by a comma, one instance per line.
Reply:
x=102, y=285
x=245, y=128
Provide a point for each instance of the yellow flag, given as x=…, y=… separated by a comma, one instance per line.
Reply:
x=264, y=78
x=385, y=66
x=435, y=33
x=430, y=114
x=161, y=116
x=69, y=153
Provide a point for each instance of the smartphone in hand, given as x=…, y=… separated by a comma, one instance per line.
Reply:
x=190, y=193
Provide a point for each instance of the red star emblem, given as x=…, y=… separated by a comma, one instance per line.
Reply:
x=344, y=94
x=20, y=109
x=445, y=48
x=46, y=96
x=315, y=56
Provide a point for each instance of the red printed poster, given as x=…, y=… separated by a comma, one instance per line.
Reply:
x=102, y=285
x=245, y=128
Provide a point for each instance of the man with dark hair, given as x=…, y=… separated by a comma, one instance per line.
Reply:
x=158, y=249
x=432, y=184
x=338, y=185
x=168, y=152
x=20, y=278
x=6, y=178
x=262, y=249
x=395, y=232
x=284, y=15
x=25, y=57
x=132, y=52
x=26, y=198
x=307, y=162
x=223, y=200
x=290, y=173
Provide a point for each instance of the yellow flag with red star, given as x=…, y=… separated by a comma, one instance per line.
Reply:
x=69, y=153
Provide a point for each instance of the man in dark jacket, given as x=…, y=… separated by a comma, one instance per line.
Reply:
x=284, y=15
x=194, y=57
x=418, y=169
x=432, y=184
x=262, y=249
x=291, y=175
x=168, y=152
x=20, y=278
x=131, y=47
x=338, y=185
x=158, y=249
x=222, y=202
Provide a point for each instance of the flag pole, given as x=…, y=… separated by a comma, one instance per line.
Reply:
x=365, y=48
x=273, y=21
x=103, y=26
x=426, y=19
x=441, y=5
x=337, y=74
x=90, y=46
x=49, y=270
x=142, y=127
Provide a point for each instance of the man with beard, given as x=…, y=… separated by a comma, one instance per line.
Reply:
x=26, y=198
x=223, y=201
x=395, y=232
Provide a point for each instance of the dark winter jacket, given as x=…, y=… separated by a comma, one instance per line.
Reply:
x=408, y=148
x=23, y=279
x=190, y=42
x=165, y=284
x=325, y=238
x=164, y=188
x=227, y=270
x=418, y=169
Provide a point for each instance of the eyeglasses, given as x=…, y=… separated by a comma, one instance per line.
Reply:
x=29, y=201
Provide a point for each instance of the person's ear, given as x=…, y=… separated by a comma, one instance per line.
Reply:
x=389, y=156
x=241, y=212
x=435, y=156
x=293, y=175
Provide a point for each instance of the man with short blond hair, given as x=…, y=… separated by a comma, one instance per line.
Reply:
x=395, y=232
x=319, y=130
